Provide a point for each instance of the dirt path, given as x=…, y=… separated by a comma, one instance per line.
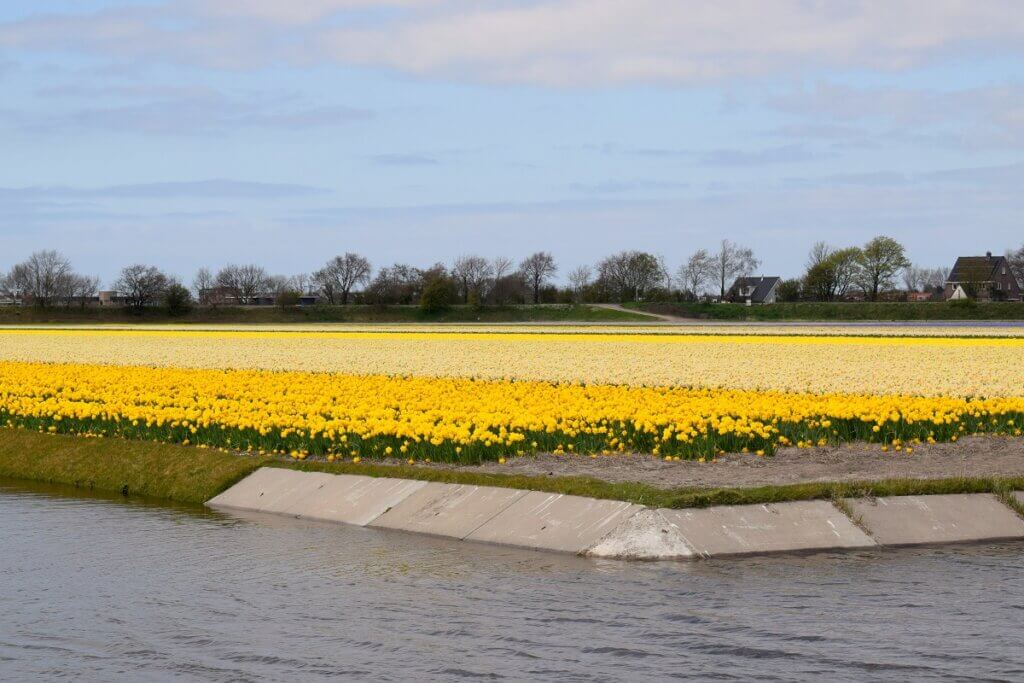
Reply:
x=979, y=456
x=655, y=316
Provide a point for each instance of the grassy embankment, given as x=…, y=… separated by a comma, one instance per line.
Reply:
x=193, y=475
x=868, y=311
x=322, y=314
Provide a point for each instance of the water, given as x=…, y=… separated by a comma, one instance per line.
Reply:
x=106, y=589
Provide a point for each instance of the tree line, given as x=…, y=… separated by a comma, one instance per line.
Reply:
x=47, y=278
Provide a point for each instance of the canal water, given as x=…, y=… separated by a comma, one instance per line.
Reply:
x=103, y=588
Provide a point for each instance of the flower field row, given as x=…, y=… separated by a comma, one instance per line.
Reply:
x=913, y=330
x=962, y=367
x=460, y=419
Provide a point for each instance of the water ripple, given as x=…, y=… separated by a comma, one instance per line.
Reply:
x=100, y=587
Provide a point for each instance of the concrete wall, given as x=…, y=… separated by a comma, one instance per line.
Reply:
x=615, y=529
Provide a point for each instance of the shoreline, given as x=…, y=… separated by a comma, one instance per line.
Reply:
x=562, y=514
x=191, y=474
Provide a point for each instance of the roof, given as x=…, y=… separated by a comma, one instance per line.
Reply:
x=762, y=287
x=976, y=268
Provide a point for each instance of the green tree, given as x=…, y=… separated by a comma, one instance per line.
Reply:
x=878, y=264
x=830, y=276
x=177, y=299
x=789, y=290
x=437, y=295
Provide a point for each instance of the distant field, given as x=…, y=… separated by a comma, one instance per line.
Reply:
x=321, y=314
x=840, y=311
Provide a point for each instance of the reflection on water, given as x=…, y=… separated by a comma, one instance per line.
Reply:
x=112, y=589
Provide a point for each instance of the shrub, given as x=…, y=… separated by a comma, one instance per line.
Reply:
x=177, y=300
x=288, y=298
x=437, y=295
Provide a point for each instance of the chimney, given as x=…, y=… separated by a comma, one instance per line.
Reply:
x=988, y=254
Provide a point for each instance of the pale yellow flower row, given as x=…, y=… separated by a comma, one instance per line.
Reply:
x=1011, y=330
x=861, y=365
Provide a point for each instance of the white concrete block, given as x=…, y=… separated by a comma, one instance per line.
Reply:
x=917, y=520
x=551, y=521
x=647, y=535
x=353, y=499
x=453, y=510
x=776, y=527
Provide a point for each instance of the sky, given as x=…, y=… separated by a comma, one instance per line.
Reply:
x=189, y=133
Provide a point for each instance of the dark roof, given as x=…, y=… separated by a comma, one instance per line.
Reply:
x=762, y=287
x=976, y=268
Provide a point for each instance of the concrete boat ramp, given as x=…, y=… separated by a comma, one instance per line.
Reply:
x=615, y=529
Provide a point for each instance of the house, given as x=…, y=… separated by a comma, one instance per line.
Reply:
x=109, y=297
x=754, y=290
x=985, y=278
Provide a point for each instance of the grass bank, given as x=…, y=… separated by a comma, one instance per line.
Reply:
x=194, y=475
x=11, y=315
x=827, y=312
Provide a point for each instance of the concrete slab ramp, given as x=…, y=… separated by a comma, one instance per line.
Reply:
x=552, y=521
x=779, y=527
x=452, y=510
x=919, y=520
x=615, y=529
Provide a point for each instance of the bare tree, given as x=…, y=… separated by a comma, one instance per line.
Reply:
x=538, y=269
x=914, y=278
x=933, y=279
x=83, y=288
x=1016, y=261
x=472, y=274
x=579, y=280
x=303, y=282
x=732, y=261
x=141, y=286
x=45, y=278
x=819, y=254
x=340, y=275
x=505, y=283
x=204, y=285
x=502, y=266
x=698, y=270
x=244, y=282
x=279, y=284
x=398, y=284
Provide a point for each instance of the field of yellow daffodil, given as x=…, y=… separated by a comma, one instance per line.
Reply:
x=487, y=394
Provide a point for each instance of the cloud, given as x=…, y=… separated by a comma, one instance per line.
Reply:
x=205, y=189
x=625, y=186
x=404, y=160
x=782, y=154
x=174, y=110
x=293, y=13
x=1001, y=177
x=545, y=42
x=990, y=116
x=786, y=154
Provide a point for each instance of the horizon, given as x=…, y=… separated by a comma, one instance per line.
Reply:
x=187, y=135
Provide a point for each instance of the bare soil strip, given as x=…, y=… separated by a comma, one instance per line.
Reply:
x=975, y=456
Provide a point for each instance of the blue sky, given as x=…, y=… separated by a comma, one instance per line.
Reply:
x=188, y=133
